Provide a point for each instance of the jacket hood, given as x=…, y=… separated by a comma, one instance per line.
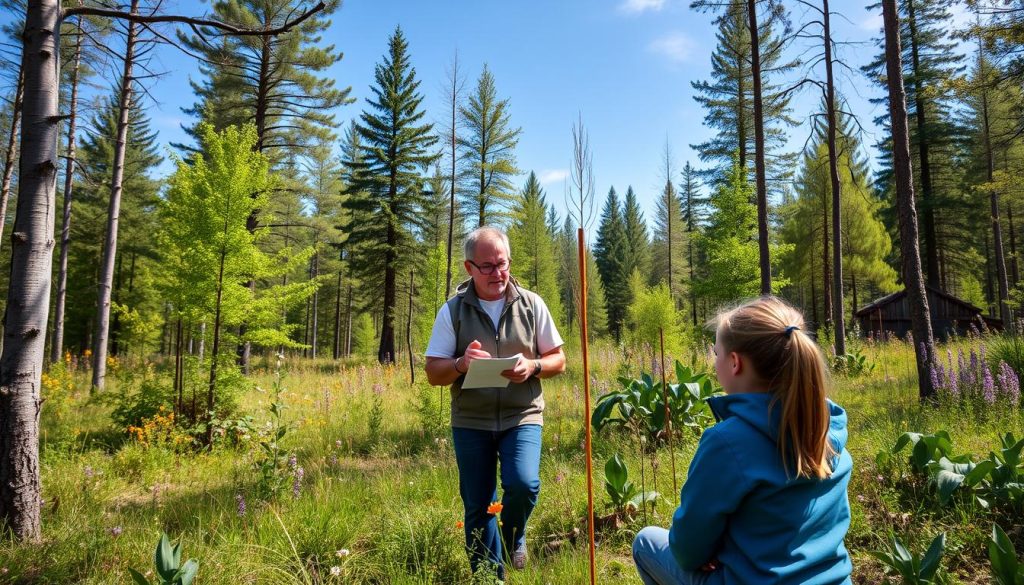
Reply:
x=760, y=411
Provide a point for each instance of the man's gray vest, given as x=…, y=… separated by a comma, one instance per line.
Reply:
x=496, y=409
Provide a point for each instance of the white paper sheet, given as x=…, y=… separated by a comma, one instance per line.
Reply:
x=486, y=372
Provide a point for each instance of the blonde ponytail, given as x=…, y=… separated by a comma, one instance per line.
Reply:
x=769, y=333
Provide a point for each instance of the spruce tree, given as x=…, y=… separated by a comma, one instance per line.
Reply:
x=488, y=143
x=610, y=252
x=668, y=243
x=385, y=186
x=730, y=242
x=533, y=251
x=638, y=250
x=694, y=209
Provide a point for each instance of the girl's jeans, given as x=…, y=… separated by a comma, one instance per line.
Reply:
x=477, y=454
x=655, y=563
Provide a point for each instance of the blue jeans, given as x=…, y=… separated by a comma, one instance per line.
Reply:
x=655, y=563
x=477, y=454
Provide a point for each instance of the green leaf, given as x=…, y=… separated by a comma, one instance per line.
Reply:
x=980, y=472
x=615, y=472
x=164, y=559
x=933, y=558
x=137, y=577
x=946, y=482
x=188, y=572
x=1003, y=557
x=904, y=440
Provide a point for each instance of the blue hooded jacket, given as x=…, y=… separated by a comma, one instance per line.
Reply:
x=738, y=505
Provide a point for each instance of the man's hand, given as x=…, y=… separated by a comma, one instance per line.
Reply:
x=522, y=371
x=473, y=352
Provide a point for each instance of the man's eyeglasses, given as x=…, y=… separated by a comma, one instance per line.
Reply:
x=487, y=269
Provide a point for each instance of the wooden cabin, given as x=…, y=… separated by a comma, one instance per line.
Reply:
x=890, y=315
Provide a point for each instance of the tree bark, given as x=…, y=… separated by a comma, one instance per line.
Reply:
x=1014, y=270
x=917, y=298
x=314, y=322
x=451, y=208
x=57, y=346
x=759, y=169
x=826, y=279
x=993, y=197
x=216, y=349
x=336, y=346
x=386, y=350
x=28, y=292
x=99, y=350
x=838, y=320
x=12, y=148
x=408, y=330
x=927, y=191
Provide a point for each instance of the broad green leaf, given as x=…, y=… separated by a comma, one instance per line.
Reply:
x=137, y=577
x=933, y=558
x=164, y=559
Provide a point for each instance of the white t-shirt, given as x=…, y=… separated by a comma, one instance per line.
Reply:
x=442, y=338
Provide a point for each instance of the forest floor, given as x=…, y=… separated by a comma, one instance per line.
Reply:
x=377, y=498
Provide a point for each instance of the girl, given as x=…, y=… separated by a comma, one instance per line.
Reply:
x=765, y=499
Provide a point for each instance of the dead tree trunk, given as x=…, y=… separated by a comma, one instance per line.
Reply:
x=336, y=346
x=759, y=168
x=12, y=148
x=838, y=319
x=99, y=350
x=28, y=295
x=917, y=299
x=57, y=346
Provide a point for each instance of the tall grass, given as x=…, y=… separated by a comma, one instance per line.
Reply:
x=379, y=500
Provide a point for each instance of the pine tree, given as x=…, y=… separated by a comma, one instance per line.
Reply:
x=610, y=252
x=930, y=62
x=279, y=83
x=138, y=196
x=533, y=247
x=385, y=185
x=728, y=97
x=488, y=144
x=866, y=244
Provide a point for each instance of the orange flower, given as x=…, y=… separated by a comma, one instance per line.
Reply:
x=494, y=508
x=459, y=524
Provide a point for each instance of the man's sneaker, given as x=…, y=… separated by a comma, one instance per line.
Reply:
x=519, y=558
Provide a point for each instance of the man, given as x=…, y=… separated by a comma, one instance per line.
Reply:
x=492, y=316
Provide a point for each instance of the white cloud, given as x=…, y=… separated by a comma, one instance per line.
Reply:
x=677, y=47
x=641, y=6
x=553, y=176
x=873, y=23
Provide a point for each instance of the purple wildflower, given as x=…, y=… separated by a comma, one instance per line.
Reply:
x=989, y=387
x=378, y=389
x=954, y=387
x=1009, y=384
x=984, y=358
x=88, y=472
x=923, y=350
x=297, y=484
x=292, y=461
x=241, y=505
x=334, y=460
x=116, y=531
x=934, y=373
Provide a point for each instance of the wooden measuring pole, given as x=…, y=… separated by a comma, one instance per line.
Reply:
x=668, y=413
x=586, y=401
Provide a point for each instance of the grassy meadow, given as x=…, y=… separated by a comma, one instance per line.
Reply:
x=364, y=487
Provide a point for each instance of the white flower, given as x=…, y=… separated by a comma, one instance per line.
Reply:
x=342, y=553
x=336, y=571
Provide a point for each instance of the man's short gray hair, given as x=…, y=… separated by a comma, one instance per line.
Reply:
x=484, y=233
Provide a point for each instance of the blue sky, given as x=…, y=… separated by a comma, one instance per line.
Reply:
x=625, y=65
